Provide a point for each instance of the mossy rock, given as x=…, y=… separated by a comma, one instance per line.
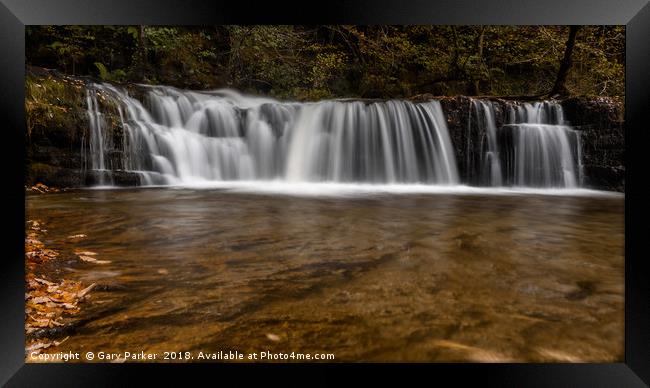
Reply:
x=52, y=175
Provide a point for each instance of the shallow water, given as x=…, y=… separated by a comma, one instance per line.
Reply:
x=368, y=276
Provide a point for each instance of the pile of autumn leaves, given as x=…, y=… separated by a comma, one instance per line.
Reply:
x=47, y=303
x=42, y=189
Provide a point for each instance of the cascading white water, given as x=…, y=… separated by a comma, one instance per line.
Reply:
x=546, y=151
x=543, y=112
x=535, y=148
x=183, y=136
x=491, y=172
x=99, y=141
x=178, y=137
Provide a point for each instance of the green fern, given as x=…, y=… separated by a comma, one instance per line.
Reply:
x=104, y=74
x=118, y=75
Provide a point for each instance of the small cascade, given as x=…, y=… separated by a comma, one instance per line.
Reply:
x=544, y=112
x=96, y=156
x=534, y=148
x=491, y=173
x=176, y=136
x=545, y=151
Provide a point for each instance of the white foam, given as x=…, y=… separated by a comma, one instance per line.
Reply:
x=331, y=189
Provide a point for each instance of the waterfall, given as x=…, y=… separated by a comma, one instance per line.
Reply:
x=491, y=173
x=535, y=148
x=175, y=136
x=545, y=151
x=172, y=136
x=95, y=158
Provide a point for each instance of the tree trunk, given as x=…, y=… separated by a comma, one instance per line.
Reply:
x=142, y=54
x=560, y=89
x=455, y=66
x=476, y=90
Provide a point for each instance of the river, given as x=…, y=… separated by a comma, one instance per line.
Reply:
x=401, y=274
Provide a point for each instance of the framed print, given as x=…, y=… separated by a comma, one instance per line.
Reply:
x=391, y=189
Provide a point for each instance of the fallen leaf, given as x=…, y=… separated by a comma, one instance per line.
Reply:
x=43, y=281
x=38, y=345
x=86, y=253
x=57, y=343
x=86, y=290
x=273, y=337
x=41, y=323
x=93, y=260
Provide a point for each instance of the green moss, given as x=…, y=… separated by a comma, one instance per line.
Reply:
x=52, y=103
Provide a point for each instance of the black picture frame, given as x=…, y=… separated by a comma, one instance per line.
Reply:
x=15, y=14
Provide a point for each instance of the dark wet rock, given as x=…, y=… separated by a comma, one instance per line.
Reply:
x=463, y=136
x=116, y=178
x=593, y=111
x=467, y=241
x=585, y=289
x=53, y=175
x=110, y=287
x=607, y=177
x=601, y=121
x=53, y=332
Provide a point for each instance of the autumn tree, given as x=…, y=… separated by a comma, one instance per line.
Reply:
x=560, y=89
x=329, y=61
